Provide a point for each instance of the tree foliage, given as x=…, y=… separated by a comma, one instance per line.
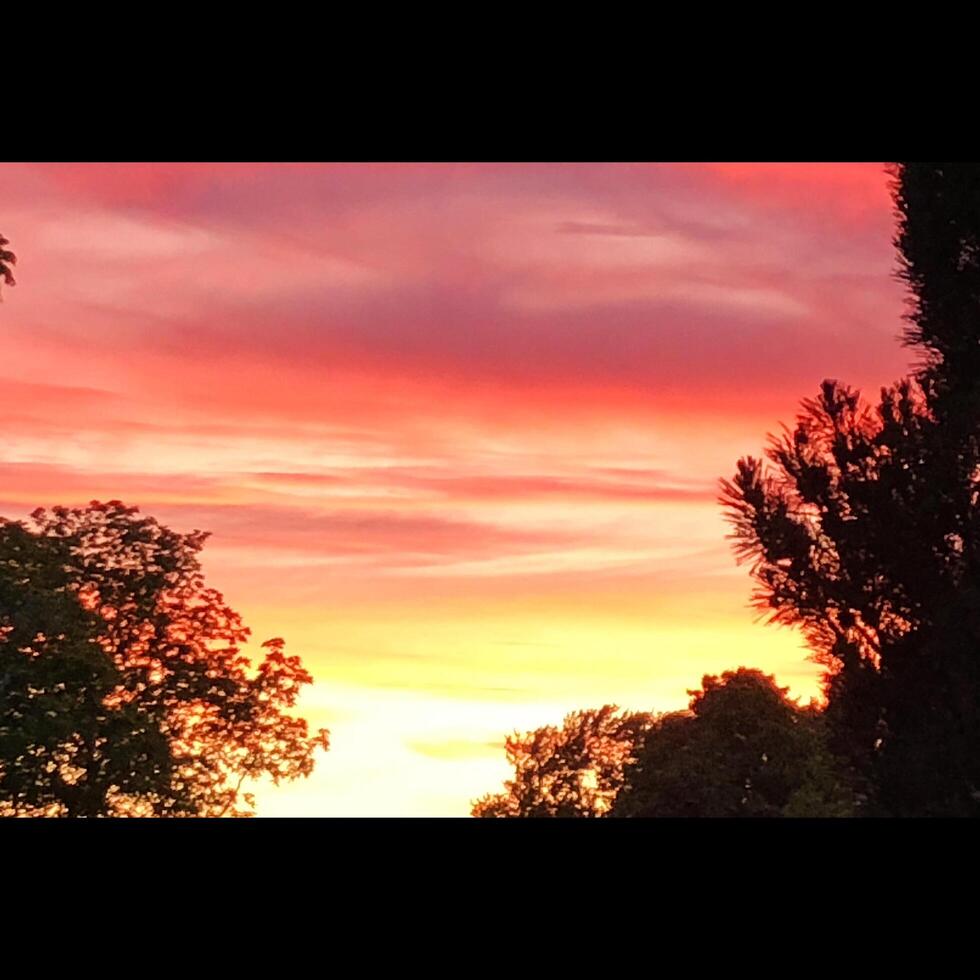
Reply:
x=742, y=749
x=572, y=771
x=7, y=259
x=862, y=525
x=123, y=688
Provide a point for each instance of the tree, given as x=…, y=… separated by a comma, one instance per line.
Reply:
x=123, y=690
x=742, y=749
x=862, y=529
x=572, y=771
x=938, y=240
x=7, y=259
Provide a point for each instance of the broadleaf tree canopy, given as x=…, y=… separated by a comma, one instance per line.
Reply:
x=123, y=686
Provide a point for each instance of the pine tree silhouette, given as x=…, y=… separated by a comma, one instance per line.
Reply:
x=862, y=527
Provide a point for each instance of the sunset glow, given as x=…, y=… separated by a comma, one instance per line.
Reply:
x=457, y=430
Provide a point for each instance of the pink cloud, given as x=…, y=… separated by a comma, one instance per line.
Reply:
x=193, y=281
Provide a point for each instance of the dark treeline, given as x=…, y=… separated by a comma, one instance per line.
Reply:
x=862, y=528
x=742, y=748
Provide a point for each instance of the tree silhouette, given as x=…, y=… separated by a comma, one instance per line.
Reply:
x=862, y=529
x=123, y=690
x=742, y=749
x=572, y=771
x=7, y=259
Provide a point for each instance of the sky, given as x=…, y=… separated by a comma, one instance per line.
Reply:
x=456, y=430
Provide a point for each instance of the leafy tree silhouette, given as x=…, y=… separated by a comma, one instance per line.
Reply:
x=572, y=771
x=7, y=259
x=742, y=749
x=123, y=690
x=862, y=528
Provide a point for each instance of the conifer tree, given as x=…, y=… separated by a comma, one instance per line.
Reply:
x=862, y=525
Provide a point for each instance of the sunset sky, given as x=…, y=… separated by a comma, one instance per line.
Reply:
x=456, y=429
